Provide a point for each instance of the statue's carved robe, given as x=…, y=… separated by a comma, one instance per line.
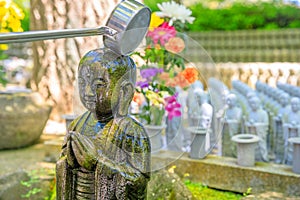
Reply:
x=123, y=165
x=260, y=128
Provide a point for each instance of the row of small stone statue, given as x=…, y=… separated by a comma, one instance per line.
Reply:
x=270, y=113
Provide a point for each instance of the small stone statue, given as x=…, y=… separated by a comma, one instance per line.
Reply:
x=106, y=153
x=192, y=105
x=231, y=125
x=233, y=111
x=205, y=113
x=257, y=123
x=291, y=128
x=278, y=121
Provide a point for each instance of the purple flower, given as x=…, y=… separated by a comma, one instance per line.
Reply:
x=150, y=72
x=142, y=84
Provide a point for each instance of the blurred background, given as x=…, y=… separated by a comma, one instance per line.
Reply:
x=247, y=40
x=244, y=40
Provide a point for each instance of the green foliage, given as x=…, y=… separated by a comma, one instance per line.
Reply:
x=34, y=178
x=153, y=4
x=3, y=80
x=19, y=12
x=201, y=191
x=52, y=192
x=157, y=115
x=249, y=190
x=24, y=5
x=241, y=16
x=35, y=189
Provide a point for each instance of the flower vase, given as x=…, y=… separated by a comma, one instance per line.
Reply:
x=198, y=142
x=155, y=135
x=246, y=144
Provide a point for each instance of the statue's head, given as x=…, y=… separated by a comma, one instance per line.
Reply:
x=250, y=94
x=200, y=96
x=106, y=82
x=197, y=84
x=231, y=100
x=254, y=103
x=295, y=104
x=284, y=98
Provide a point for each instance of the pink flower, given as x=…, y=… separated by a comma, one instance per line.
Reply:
x=173, y=107
x=162, y=33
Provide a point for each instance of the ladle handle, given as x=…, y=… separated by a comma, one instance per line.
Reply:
x=30, y=36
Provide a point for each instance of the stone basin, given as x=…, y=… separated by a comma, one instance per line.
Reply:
x=23, y=117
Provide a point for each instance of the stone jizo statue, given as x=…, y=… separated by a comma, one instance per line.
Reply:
x=204, y=115
x=106, y=153
x=278, y=121
x=291, y=128
x=284, y=100
x=231, y=125
x=192, y=102
x=204, y=111
x=192, y=105
x=233, y=112
x=257, y=123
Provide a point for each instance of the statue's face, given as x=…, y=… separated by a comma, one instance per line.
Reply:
x=254, y=104
x=94, y=88
x=101, y=76
x=230, y=101
x=295, y=105
x=284, y=100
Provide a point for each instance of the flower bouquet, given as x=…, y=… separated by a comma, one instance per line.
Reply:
x=163, y=68
x=158, y=98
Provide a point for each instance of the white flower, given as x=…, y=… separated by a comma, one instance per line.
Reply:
x=175, y=12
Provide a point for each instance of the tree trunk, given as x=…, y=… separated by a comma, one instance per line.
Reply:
x=56, y=61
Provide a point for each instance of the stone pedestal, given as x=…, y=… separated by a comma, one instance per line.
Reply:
x=198, y=142
x=296, y=154
x=155, y=136
x=246, y=144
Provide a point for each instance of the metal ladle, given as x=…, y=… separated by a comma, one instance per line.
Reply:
x=124, y=30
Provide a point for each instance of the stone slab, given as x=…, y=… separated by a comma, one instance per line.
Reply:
x=17, y=164
x=213, y=171
x=224, y=173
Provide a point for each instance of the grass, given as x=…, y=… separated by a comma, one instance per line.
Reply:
x=202, y=192
x=199, y=191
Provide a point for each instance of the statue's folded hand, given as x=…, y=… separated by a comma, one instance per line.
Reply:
x=70, y=155
x=84, y=151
